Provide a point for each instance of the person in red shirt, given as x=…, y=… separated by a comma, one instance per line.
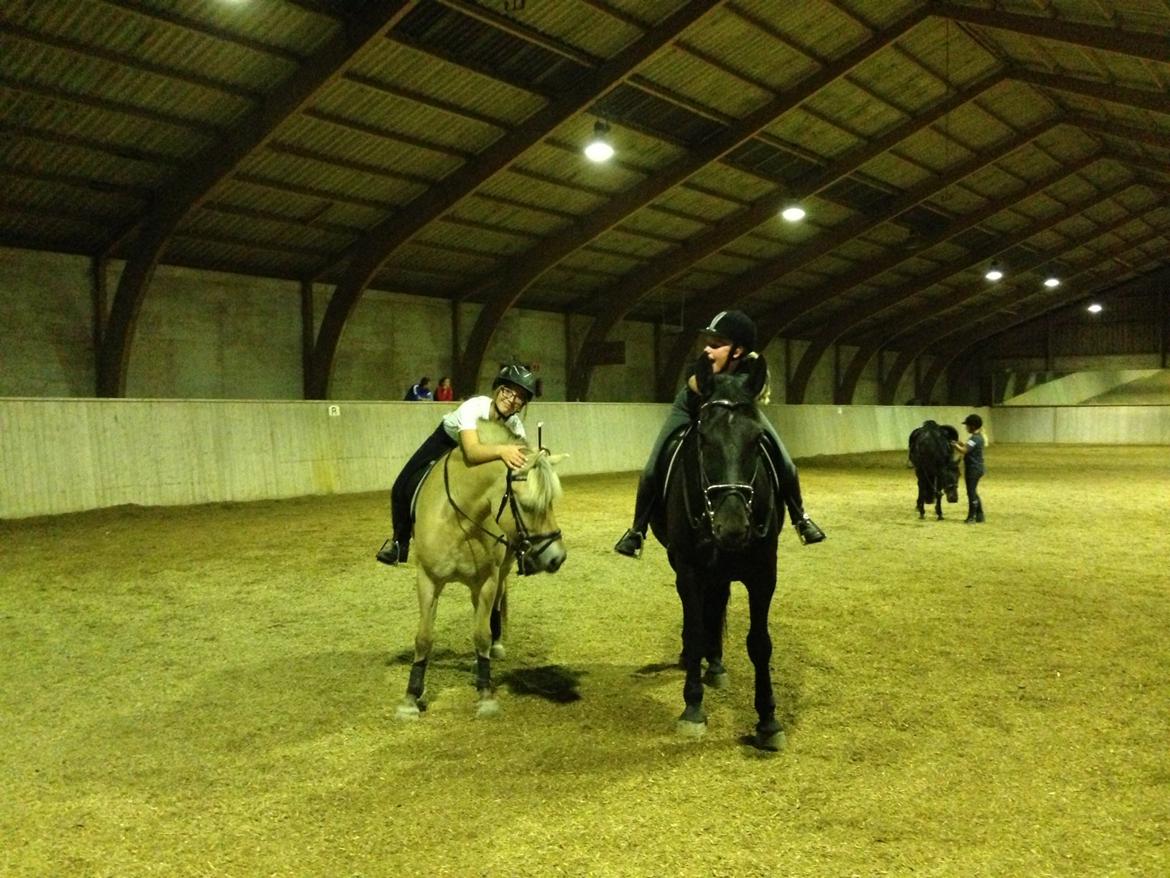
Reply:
x=444, y=392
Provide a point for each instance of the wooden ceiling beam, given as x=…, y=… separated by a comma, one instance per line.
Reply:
x=1157, y=101
x=614, y=304
x=780, y=318
x=912, y=345
x=1154, y=47
x=971, y=335
x=854, y=313
x=256, y=130
x=521, y=273
x=121, y=152
x=378, y=245
x=158, y=117
x=84, y=51
x=193, y=25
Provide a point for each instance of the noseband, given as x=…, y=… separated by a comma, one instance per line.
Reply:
x=526, y=545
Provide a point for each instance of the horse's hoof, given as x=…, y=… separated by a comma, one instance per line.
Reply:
x=692, y=722
x=497, y=651
x=487, y=708
x=769, y=736
x=688, y=729
x=407, y=710
x=716, y=678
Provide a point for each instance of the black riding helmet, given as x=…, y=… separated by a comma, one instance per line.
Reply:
x=518, y=376
x=735, y=326
x=973, y=420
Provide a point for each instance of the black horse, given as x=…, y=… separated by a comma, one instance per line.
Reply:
x=935, y=465
x=720, y=523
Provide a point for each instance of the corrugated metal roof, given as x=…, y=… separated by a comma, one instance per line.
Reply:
x=108, y=106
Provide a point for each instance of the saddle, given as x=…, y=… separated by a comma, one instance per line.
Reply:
x=416, y=481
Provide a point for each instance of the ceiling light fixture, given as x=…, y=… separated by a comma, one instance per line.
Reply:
x=994, y=273
x=794, y=213
x=599, y=149
x=1051, y=282
x=1094, y=308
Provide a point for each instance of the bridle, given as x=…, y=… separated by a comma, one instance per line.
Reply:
x=526, y=545
x=711, y=491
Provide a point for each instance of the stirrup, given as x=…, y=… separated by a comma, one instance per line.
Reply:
x=391, y=553
x=630, y=544
x=808, y=531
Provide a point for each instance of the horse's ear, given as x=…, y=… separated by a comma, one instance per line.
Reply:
x=755, y=369
x=704, y=377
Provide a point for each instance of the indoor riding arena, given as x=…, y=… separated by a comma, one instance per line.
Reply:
x=261, y=261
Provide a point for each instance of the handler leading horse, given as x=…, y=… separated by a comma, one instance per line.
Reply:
x=720, y=522
x=472, y=524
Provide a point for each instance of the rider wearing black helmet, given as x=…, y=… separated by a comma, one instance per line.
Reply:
x=730, y=347
x=512, y=388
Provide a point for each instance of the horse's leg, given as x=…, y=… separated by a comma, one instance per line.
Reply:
x=938, y=505
x=715, y=598
x=428, y=603
x=498, y=622
x=483, y=597
x=693, y=721
x=769, y=735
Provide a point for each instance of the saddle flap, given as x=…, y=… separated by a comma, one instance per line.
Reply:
x=416, y=484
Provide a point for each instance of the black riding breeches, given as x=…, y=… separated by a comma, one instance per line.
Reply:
x=434, y=447
x=971, y=480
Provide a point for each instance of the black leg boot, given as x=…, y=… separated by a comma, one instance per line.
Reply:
x=970, y=519
x=631, y=541
x=806, y=528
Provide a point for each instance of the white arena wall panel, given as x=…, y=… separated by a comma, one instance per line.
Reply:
x=1084, y=425
x=67, y=455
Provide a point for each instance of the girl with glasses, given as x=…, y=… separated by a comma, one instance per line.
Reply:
x=512, y=389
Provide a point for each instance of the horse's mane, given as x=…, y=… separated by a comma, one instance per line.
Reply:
x=544, y=485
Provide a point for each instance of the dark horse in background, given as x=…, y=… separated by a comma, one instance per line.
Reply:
x=935, y=465
x=720, y=522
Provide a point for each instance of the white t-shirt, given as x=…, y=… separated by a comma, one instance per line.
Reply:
x=474, y=410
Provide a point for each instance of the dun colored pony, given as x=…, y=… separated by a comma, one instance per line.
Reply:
x=720, y=522
x=934, y=465
x=472, y=525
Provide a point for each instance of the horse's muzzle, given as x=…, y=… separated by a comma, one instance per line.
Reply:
x=542, y=558
x=731, y=521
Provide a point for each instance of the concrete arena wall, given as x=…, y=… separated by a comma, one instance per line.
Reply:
x=67, y=455
x=1083, y=425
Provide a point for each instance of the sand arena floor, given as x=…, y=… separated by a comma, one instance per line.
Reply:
x=211, y=691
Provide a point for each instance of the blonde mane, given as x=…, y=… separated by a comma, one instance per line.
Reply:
x=543, y=484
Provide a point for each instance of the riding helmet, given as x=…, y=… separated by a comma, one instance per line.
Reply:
x=518, y=376
x=973, y=420
x=735, y=326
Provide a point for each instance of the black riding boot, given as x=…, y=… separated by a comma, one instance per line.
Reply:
x=806, y=528
x=789, y=491
x=394, y=551
x=631, y=541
